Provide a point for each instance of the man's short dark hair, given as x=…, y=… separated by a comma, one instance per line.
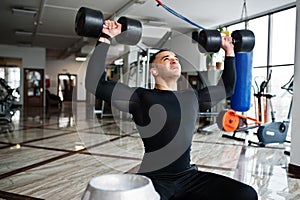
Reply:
x=152, y=58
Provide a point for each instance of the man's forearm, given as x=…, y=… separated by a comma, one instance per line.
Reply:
x=96, y=67
x=229, y=75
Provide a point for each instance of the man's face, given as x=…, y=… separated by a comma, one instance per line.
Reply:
x=166, y=65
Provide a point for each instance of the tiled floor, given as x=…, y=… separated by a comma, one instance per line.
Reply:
x=53, y=155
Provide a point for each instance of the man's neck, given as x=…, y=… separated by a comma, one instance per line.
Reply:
x=170, y=87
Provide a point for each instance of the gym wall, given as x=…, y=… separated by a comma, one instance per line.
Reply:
x=32, y=57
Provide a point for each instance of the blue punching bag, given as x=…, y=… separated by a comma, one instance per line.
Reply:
x=241, y=99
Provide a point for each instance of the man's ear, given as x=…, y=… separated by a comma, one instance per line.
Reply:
x=154, y=72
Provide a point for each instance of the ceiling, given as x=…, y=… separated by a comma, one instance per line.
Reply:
x=50, y=23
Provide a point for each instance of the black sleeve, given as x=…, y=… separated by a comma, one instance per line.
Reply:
x=228, y=78
x=211, y=95
x=118, y=94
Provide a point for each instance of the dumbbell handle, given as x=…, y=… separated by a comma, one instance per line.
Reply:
x=105, y=26
x=104, y=34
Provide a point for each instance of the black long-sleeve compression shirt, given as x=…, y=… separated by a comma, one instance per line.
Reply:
x=164, y=119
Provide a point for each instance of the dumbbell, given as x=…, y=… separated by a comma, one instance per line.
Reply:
x=89, y=23
x=211, y=40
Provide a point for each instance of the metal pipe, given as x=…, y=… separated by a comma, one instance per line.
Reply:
x=39, y=18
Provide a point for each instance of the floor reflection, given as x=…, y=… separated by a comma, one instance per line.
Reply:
x=55, y=152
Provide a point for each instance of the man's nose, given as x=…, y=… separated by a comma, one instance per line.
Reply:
x=173, y=60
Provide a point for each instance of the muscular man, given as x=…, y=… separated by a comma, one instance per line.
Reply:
x=165, y=118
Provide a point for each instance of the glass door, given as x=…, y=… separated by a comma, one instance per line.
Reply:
x=34, y=87
x=67, y=87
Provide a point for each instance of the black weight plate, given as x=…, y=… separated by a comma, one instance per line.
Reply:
x=89, y=22
x=219, y=120
x=131, y=31
x=244, y=40
x=209, y=41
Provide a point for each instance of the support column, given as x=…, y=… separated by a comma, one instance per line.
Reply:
x=294, y=166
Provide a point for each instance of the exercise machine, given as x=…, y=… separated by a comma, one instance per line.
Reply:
x=6, y=106
x=271, y=132
x=274, y=131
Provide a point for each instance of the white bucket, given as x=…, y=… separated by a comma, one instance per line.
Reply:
x=120, y=187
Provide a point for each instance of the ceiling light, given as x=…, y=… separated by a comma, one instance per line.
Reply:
x=23, y=33
x=24, y=11
x=119, y=61
x=80, y=59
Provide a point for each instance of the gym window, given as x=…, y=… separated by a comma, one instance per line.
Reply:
x=274, y=51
